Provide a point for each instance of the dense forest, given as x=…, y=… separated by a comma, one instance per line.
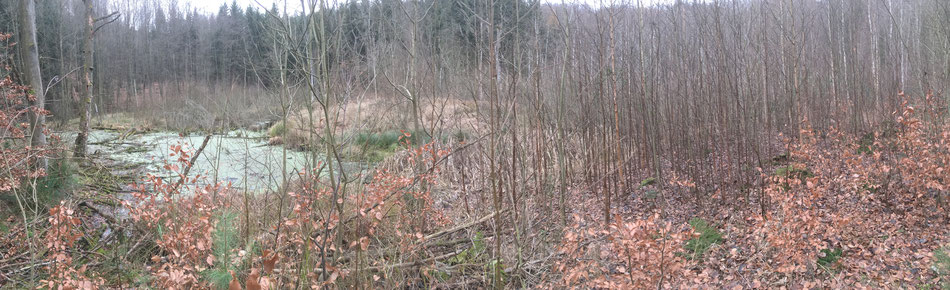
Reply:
x=475, y=144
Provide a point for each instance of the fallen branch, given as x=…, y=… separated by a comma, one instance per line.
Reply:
x=14, y=272
x=458, y=228
x=107, y=215
x=128, y=133
x=449, y=243
x=194, y=158
x=414, y=263
x=109, y=128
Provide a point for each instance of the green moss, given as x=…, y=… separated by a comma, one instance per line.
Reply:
x=436, y=276
x=708, y=236
x=460, y=136
x=470, y=255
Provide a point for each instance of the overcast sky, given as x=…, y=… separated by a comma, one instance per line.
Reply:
x=211, y=6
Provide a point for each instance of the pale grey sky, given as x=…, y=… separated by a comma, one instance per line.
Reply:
x=211, y=6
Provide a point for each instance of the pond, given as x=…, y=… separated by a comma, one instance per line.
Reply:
x=241, y=157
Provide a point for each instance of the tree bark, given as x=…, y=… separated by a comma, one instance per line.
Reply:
x=31, y=69
x=83, y=136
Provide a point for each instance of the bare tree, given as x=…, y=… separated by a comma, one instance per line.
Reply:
x=83, y=135
x=31, y=68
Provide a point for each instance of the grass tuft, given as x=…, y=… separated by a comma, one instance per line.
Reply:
x=278, y=129
x=388, y=140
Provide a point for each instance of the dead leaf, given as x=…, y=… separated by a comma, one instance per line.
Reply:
x=234, y=285
x=270, y=263
x=252, y=283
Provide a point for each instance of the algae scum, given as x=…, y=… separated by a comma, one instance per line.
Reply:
x=240, y=157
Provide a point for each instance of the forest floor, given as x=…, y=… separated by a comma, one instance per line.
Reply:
x=833, y=211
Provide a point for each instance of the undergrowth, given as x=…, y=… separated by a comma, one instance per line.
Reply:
x=706, y=237
x=826, y=218
x=791, y=171
x=227, y=250
x=828, y=258
x=47, y=190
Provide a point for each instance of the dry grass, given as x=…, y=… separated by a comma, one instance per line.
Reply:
x=440, y=117
x=187, y=107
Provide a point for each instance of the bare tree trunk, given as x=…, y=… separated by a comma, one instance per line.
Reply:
x=494, y=177
x=31, y=68
x=83, y=136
